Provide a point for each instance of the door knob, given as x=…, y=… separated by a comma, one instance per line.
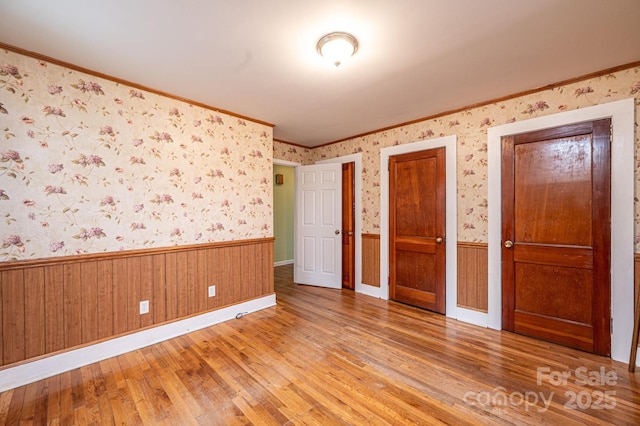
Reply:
x=337, y=232
x=508, y=244
x=439, y=240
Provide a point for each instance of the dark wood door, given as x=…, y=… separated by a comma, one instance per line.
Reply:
x=417, y=229
x=556, y=224
x=348, y=227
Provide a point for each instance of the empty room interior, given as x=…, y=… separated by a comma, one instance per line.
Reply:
x=320, y=212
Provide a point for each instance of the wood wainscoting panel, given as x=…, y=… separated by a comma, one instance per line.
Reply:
x=181, y=280
x=371, y=259
x=54, y=311
x=213, y=275
x=13, y=316
x=473, y=276
x=54, y=304
x=133, y=293
x=119, y=283
x=145, y=290
x=224, y=289
x=34, y=312
x=191, y=304
x=89, y=302
x=105, y=299
x=247, y=273
x=200, y=302
x=72, y=304
x=158, y=268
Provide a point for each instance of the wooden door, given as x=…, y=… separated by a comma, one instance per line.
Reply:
x=348, y=227
x=556, y=227
x=417, y=229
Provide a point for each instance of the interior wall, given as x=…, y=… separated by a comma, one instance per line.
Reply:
x=291, y=153
x=283, y=209
x=92, y=169
x=90, y=165
x=470, y=126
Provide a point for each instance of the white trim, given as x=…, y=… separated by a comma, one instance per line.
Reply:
x=283, y=262
x=357, y=172
x=368, y=290
x=622, y=211
x=41, y=369
x=277, y=162
x=451, y=237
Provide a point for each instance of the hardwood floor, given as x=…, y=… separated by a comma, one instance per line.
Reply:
x=328, y=357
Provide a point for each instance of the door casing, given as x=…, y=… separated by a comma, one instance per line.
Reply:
x=568, y=243
x=622, y=114
x=449, y=142
x=348, y=226
x=357, y=160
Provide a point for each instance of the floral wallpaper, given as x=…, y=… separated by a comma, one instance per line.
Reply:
x=470, y=126
x=90, y=165
x=293, y=153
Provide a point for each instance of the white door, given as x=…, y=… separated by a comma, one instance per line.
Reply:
x=318, y=242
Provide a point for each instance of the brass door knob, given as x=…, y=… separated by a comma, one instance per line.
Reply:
x=508, y=244
x=439, y=240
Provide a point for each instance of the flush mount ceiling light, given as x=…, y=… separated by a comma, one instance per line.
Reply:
x=337, y=47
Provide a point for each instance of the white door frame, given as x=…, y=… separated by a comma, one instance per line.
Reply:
x=357, y=172
x=622, y=212
x=285, y=163
x=451, y=232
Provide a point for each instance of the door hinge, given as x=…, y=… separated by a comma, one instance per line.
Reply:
x=611, y=328
x=611, y=132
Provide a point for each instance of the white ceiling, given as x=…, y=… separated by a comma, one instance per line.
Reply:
x=258, y=58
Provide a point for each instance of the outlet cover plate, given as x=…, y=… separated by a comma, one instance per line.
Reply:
x=212, y=291
x=144, y=307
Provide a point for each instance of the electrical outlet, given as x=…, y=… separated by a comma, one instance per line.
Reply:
x=144, y=307
x=212, y=290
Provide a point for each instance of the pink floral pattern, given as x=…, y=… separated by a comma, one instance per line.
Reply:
x=470, y=126
x=88, y=165
x=288, y=152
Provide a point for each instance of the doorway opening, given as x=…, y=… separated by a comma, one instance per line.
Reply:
x=450, y=238
x=622, y=114
x=355, y=227
x=283, y=208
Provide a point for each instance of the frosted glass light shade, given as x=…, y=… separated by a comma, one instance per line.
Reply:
x=337, y=47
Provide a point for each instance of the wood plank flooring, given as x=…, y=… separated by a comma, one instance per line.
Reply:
x=328, y=357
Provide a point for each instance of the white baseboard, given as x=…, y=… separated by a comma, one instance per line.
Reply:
x=283, y=262
x=50, y=366
x=369, y=290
